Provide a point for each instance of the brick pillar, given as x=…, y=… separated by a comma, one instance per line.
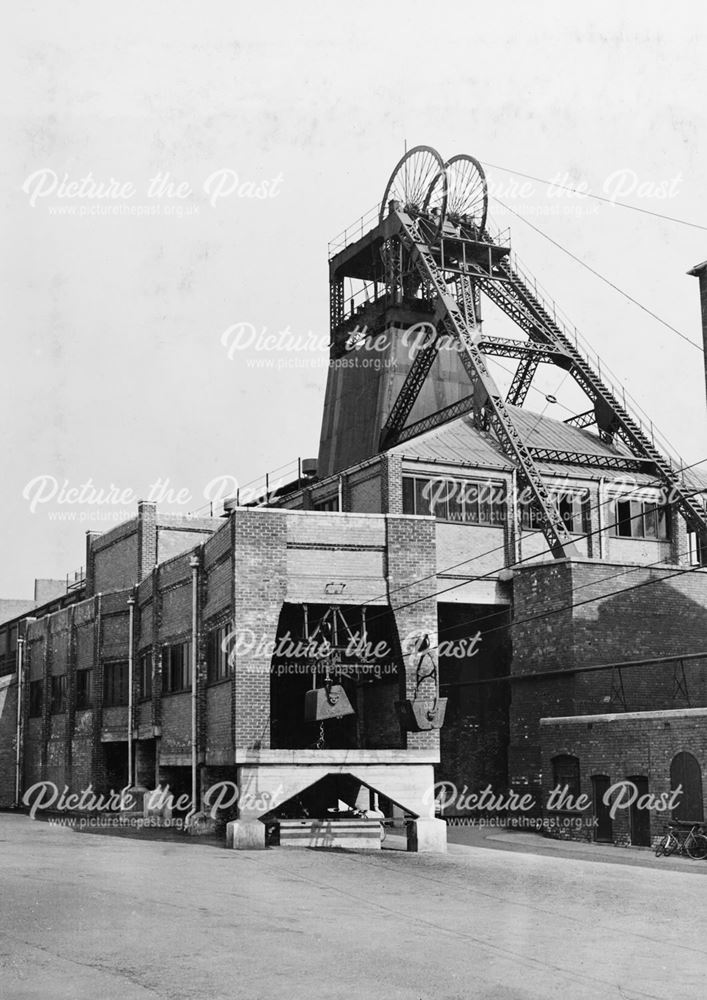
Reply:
x=595, y=518
x=146, y=537
x=392, y=484
x=411, y=549
x=90, y=561
x=260, y=546
x=679, y=555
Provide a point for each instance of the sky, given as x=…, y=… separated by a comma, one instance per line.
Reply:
x=171, y=173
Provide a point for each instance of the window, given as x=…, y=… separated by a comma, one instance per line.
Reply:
x=144, y=679
x=331, y=505
x=83, y=689
x=218, y=648
x=573, y=508
x=565, y=773
x=115, y=684
x=59, y=689
x=695, y=549
x=639, y=519
x=36, y=699
x=176, y=668
x=455, y=499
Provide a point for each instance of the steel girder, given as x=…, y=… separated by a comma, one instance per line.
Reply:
x=488, y=406
x=585, y=419
x=517, y=300
x=409, y=391
x=624, y=463
x=522, y=380
x=442, y=416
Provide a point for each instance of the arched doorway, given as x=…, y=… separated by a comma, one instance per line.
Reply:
x=685, y=771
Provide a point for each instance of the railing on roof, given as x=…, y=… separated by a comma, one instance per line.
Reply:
x=261, y=491
x=358, y=299
x=355, y=231
x=76, y=580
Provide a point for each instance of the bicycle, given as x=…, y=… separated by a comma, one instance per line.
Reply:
x=687, y=840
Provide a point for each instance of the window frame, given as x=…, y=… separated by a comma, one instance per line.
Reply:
x=640, y=518
x=467, y=496
x=176, y=667
x=218, y=666
x=116, y=687
x=144, y=678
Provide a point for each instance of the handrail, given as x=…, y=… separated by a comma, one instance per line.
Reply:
x=611, y=380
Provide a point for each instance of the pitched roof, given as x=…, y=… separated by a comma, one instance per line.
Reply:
x=460, y=443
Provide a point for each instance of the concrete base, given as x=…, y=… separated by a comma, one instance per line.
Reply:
x=242, y=835
x=353, y=834
x=427, y=836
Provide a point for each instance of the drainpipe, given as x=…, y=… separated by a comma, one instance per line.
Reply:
x=131, y=633
x=600, y=516
x=194, y=563
x=341, y=493
x=515, y=520
x=20, y=698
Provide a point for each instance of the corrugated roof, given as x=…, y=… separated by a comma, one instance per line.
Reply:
x=460, y=443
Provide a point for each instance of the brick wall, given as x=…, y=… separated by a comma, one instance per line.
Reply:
x=624, y=747
x=411, y=555
x=666, y=618
x=260, y=541
x=8, y=731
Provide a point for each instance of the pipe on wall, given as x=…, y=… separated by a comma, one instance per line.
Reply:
x=131, y=670
x=20, y=698
x=194, y=564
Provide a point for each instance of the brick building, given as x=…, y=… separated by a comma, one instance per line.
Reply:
x=570, y=652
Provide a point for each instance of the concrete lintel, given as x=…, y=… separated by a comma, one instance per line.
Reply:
x=668, y=713
x=325, y=757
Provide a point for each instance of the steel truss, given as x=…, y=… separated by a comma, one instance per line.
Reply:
x=455, y=315
x=489, y=409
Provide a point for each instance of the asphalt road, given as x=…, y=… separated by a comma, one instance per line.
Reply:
x=97, y=917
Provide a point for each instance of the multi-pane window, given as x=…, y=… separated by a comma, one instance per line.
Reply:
x=36, y=699
x=59, y=689
x=639, y=519
x=144, y=675
x=455, y=499
x=176, y=667
x=83, y=689
x=573, y=508
x=217, y=653
x=115, y=683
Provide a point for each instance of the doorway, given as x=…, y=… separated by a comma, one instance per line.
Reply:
x=640, y=819
x=603, y=833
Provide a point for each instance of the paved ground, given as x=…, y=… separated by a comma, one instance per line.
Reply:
x=86, y=916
